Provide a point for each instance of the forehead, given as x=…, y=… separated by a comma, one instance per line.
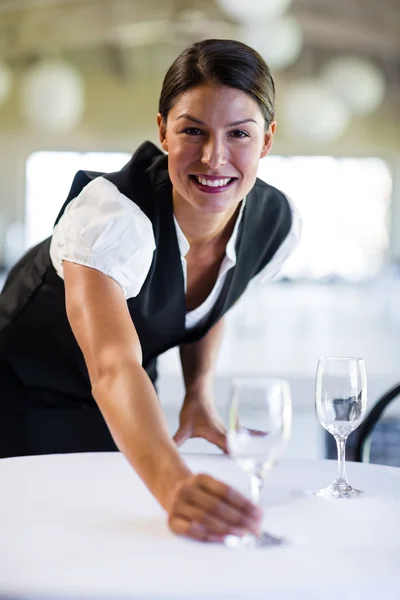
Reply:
x=211, y=100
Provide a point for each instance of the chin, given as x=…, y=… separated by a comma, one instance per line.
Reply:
x=215, y=206
x=210, y=203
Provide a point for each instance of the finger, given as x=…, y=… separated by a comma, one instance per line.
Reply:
x=215, y=524
x=231, y=496
x=183, y=526
x=218, y=438
x=196, y=531
x=199, y=532
x=182, y=435
x=214, y=510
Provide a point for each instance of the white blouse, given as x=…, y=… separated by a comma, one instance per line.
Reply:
x=103, y=229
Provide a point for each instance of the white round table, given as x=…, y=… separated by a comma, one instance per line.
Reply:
x=82, y=526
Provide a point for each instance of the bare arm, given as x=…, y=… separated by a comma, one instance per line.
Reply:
x=199, y=417
x=120, y=386
x=198, y=505
x=198, y=360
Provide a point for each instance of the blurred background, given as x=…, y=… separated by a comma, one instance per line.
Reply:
x=79, y=88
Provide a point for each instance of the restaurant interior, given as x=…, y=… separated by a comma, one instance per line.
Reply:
x=79, y=86
x=79, y=89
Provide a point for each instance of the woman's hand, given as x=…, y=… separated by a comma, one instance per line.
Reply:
x=207, y=510
x=199, y=419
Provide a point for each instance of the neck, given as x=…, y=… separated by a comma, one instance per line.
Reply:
x=204, y=228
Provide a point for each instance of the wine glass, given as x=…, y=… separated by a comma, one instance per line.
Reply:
x=340, y=402
x=259, y=424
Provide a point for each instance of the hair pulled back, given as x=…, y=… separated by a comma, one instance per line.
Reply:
x=224, y=62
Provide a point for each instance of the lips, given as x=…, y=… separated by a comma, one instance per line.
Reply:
x=212, y=184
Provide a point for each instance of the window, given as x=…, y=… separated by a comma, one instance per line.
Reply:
x=343, y=203
x=48, y=180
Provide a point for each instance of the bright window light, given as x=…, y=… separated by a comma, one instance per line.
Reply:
x=49, y=177
x=343, y=203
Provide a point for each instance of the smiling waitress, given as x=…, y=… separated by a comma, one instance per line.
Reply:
x=140, y=261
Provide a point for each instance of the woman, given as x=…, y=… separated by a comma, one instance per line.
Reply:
x=141, y=261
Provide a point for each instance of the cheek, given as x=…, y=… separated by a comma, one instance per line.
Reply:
x=176, y=154
x=249, y=163
x=181, y=159
x=176, y=169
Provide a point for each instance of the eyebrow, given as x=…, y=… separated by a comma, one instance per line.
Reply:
x=198, y=122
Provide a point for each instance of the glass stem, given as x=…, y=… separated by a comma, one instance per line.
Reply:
x=341, y=450
x=256, y=486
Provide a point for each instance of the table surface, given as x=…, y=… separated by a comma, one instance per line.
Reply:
x=84, y=526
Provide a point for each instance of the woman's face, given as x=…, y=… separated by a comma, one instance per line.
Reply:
x=214, y=136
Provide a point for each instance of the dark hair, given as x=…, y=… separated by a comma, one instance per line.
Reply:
x=225, y=62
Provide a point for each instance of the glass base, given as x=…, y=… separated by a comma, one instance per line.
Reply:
x=339, y=491
x=253, y=541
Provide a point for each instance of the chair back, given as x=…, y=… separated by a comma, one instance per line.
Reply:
x=378, y=437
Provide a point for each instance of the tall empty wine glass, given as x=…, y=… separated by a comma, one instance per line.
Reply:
x=340, y=402
x=259, y=423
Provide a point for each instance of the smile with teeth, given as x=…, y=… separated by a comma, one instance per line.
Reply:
x=213, y=182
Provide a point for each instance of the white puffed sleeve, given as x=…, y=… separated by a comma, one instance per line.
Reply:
x=103, y=229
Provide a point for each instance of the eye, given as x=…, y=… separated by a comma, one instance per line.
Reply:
x=238, y=133
x=192, y=131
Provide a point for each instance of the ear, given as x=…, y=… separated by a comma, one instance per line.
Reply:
x=162, y=132
x=268, y=136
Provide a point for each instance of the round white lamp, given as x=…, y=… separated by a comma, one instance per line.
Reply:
x=279, y=42
x=253, y=10
x=52, y=96
x=356, y=81
x=310, y=113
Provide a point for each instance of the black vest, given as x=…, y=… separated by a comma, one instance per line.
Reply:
x=35, y=335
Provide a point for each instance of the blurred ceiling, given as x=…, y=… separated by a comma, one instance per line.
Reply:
x=119, y=29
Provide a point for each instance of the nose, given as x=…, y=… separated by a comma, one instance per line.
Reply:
x=214, y=153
